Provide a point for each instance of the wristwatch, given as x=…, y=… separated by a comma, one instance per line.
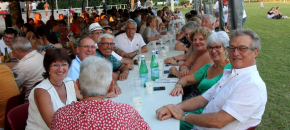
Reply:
x=184, y=115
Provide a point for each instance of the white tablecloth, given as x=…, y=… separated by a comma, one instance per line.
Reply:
x=156, y=100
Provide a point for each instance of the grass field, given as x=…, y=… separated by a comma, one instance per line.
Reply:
x=273, y=62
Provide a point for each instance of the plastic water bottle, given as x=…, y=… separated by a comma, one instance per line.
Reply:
x=154, y=67
x=143, y=71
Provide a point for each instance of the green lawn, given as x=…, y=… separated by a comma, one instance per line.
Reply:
x=273, y=62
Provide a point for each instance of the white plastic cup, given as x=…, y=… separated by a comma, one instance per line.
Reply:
x=167, y=47
x=163, y=52
x=154, y=43
x=149, y=87
x=137, y=103
x=160, y=73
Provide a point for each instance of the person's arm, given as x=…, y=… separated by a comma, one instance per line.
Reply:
x=124, y=71
x=180, y=46
x=43, y=103
x=184, y=81
x=191, y=104
x=153, y=38
x=202, y=60
x=179, y=36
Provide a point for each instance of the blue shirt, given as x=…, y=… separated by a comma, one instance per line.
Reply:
x=115, y=62
x=74, y=69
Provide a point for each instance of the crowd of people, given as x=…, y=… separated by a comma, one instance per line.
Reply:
x=70, y=72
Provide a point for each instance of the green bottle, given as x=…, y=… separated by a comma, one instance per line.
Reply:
x=6, y=56
x=143, y=71
x=154, y=67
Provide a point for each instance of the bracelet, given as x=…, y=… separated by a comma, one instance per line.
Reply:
x=183, y=67
x=180, y=84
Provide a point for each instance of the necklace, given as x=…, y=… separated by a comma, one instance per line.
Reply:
x=216, y=66
x=56, y=84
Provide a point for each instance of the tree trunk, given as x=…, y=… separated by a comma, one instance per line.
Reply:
x=15, y=11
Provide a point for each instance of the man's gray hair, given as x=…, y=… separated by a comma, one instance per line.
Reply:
x=189, y=25
x=82, y=38
x=130, y=21
x=256, y=39
x=220, y=37
x=106, y=35
x=21, y=43
x=95, y=76
x=211, y=18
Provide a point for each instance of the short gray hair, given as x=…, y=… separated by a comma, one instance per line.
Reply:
x=190, y=25
x=22, y=43
x=106, y=35
x=130, y=21
x=95, y=76
x=82, y=38
x=256, y=39
x=211, y=18
x=220, y=37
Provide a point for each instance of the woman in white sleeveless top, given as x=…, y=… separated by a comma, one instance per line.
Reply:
x=54, y=92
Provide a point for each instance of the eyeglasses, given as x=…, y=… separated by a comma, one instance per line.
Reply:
x=88, y=47
x=130, y=28
x=239, y=48
x=106, y=44
x=59, y=65
x=97, y=33
x=210, y=48
x=9, y=38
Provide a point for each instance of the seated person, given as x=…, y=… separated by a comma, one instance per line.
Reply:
x=150, y=33
x=6, y=41
x=29, y=69
x=129, y=43
x=108, y=29
x=237, y=100
x=95, y=82
x=278, y=14
x=208, y=75
x=271, y=13
x=47, y=38
x=199, y=57
x=105, y=49
x=8, y=89
x=184, y=43
x=54, y=92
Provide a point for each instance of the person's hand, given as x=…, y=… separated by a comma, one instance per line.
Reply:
x=163, y=113
x=173, y=70
x=111, y=95
x=130, y=66
x=158, y=36
x=117, y=90
x=184, y=72
x=123, y=75
x=177, y=90
x=176, y=111
x=124, y=54
x=169, y=60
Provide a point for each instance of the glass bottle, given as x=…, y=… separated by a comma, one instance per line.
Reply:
x=154, y=67
x=6, y=56
x=143, y=71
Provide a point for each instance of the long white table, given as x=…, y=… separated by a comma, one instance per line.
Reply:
x=156, y=100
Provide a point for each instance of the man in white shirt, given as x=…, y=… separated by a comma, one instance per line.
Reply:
x=129, y=44
x=225, y=9
x=6, y=41
x=237, y=100
x=29, y=69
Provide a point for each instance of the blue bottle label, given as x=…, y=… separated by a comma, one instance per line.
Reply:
x=145, y=76
x=154, y=72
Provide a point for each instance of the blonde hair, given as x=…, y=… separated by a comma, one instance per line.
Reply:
x=205, y=32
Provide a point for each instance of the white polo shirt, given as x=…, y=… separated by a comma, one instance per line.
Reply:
x=242, y=94
x=123, y=43
x=2, y=47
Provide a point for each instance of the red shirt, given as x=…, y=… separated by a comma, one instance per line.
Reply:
x=74, y=28
x=96, y=115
